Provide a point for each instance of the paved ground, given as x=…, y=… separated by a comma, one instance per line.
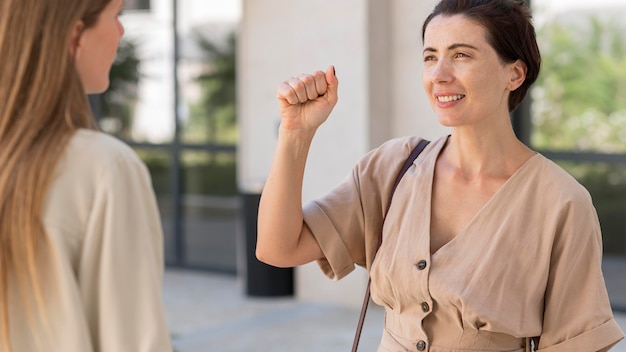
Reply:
x=209, y=312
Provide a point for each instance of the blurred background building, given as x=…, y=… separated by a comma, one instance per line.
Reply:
x=193, y=91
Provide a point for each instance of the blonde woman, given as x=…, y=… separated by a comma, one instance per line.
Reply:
x=81, y=258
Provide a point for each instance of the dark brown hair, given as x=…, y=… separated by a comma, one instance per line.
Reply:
x=510, y=33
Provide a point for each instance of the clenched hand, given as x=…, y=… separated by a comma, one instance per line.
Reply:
x=307, y=100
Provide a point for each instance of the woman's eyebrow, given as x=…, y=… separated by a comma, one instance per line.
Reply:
x=452, y=47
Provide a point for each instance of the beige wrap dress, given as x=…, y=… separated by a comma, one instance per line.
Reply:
x=528, y=264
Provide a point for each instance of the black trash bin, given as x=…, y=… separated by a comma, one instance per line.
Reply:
x=261, y=279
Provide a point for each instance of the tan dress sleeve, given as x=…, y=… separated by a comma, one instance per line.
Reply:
x=577, y=312
x=347, y=221
x=121, y=268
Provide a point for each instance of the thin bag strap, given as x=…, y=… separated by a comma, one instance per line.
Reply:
x=532, y=343
x=407, y=164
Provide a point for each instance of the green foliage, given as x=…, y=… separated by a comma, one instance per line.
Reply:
x=159, y=164
x=579, y=100
x=607, y=185
x=118, y=102
x=214, y=177
x=213, y=118
x=201, y=172
x=579, y=103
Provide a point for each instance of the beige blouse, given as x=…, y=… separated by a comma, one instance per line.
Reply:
x=102, y=273
x=528, y=264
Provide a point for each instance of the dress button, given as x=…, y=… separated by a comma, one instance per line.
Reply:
x=421, y=345
x=425, y=307
x=421, y=265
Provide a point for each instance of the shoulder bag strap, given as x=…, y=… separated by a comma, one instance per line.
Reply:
x=407, y=164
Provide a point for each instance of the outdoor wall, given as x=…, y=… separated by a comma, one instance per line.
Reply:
x=375, y=46
x=411, y=109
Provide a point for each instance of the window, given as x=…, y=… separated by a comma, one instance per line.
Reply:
x=137, y=5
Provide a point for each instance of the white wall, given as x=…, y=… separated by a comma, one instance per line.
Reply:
x=283, y=38
x=411, y=108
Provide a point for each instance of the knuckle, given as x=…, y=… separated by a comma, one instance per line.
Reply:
x=307, y=79
x=297, y=85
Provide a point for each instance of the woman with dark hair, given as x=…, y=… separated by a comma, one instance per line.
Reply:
x=81, y=253
x=487, y=245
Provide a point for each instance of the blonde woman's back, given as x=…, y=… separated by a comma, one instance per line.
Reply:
x=102, y=272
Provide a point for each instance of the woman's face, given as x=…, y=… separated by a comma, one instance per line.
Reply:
x=97, y=47
x=464, y=78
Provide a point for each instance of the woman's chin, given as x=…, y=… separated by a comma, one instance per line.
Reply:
x=448, y=122
x=97, y=88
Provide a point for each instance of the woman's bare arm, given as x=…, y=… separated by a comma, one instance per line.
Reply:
x=305, y=102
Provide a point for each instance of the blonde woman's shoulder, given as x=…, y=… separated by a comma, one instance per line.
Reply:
x=92, y=154
x=98, y=146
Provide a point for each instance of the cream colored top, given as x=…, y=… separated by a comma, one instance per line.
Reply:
x=528, y=264
x=103, y=273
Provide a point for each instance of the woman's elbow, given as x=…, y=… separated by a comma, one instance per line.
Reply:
x=262, y=256
x=265, y=256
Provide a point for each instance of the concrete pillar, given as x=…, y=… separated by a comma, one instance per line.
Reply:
x=375, y=46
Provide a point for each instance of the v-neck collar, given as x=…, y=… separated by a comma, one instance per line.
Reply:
x=484, y=209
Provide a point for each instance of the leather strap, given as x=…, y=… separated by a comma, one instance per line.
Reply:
x=532, y=343
x=407, y=164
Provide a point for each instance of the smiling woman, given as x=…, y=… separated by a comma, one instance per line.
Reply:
x=468, y=75
x=81, y=255
x=487, y=244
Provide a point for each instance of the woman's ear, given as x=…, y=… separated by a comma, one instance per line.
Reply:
x=518, y=75
x=75, y=38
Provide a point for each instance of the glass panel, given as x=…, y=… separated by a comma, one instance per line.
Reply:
x=579, y=100
x=139, y=105
x=137, y=5
x=159, y=164
x=210, y=208
x=207, y=74
x=607, y=185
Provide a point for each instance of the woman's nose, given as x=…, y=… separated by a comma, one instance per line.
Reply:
x=441, y=72
x=120, y=28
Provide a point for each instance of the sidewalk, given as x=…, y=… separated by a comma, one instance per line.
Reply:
x=210, y=312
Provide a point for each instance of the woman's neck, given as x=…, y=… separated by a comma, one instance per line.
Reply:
x=485, y=153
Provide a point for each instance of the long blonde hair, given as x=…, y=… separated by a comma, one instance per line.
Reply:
x=42, y=103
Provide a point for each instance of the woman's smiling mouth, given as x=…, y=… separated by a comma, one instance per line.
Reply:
x=449, y=98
